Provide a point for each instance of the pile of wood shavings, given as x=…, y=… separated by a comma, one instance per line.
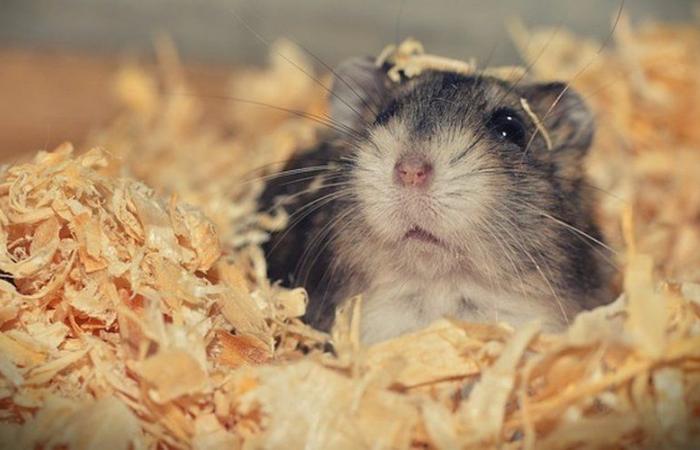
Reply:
x=125, y=327
x=116, y=326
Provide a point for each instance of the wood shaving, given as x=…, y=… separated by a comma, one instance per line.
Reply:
x=141, y=317
x=408, y=60
x=537, y=122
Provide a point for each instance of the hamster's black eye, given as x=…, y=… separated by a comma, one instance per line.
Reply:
x=506, y=125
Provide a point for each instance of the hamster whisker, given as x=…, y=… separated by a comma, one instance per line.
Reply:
x=551, y=288
x=531, y=64
x=515, y=171
x=329, y=272
x=491, y=275
x=322, y=237
x=343, y=80
x=327, y=177
x=503, y=244
x=323, y=200
x=595, y=244
x=580, y=72
x=324, y=119
x=310, y=208
x=569, y=227
x=286, y=173
x=296, y=65
x=517, y=246
x=469, y=148
x=287, y=198
x=532, y=259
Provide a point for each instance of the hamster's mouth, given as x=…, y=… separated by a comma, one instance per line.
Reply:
x=419, y=234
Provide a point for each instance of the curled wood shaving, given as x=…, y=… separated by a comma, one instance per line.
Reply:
x=537, y=122
x=123, y=310
x=409, y=60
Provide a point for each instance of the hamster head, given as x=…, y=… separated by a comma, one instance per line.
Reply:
x=452, y=175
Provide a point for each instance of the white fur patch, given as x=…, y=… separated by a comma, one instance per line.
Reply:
x=394, y=307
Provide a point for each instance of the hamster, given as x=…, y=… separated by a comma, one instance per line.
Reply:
x=440, y=196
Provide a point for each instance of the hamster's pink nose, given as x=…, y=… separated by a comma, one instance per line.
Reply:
x=413, y=172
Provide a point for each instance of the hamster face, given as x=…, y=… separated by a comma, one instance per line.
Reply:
x=439, y=178
x=445, y=198
x=452, y=179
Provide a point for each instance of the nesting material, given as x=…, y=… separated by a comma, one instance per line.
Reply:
x=140, y=317
x=408, y=59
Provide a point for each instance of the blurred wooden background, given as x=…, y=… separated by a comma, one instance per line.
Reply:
x=49, y=97
x=57, y=57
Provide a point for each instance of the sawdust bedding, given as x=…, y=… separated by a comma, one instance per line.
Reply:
x=137, y=314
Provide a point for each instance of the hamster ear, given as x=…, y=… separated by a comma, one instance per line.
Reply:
x=359, y=89
x=564, y=115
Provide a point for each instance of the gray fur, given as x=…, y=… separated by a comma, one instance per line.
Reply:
x=517, y=237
